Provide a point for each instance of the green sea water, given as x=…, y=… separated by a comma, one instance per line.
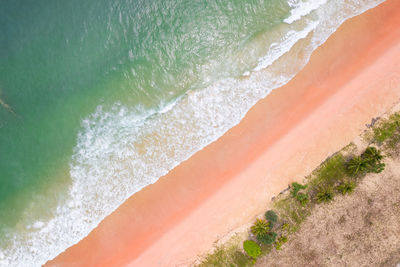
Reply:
x=61, y=59
x=79, y=80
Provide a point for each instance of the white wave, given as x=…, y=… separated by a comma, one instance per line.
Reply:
x=119, y=153
x=303, y=8
x=276, y=50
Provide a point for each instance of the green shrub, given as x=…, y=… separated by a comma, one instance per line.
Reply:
x=268, y=238
x=346, y=187
x=371, y=154
x=252, y=249
x=369, y=161
x=373, y=158
x=271, y=216
x=296, y=187
x=357, y=165
x=281, y=240
x=303, y=199
x=260, y=227
x=325, y=195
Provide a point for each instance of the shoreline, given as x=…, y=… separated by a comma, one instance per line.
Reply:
x=287, y=129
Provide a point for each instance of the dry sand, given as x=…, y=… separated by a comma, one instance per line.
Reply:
x=353, y=77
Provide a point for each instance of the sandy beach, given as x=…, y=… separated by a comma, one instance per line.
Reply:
x=350, y=79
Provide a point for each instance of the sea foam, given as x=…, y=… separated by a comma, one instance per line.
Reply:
x=122, y=150
x=302, y=8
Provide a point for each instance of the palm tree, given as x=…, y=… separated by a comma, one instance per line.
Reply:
x=260, y=228
x=357, y=165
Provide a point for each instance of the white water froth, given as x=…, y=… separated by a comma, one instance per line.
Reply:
x=302, y=8
x=276, y=50
x=119, y=153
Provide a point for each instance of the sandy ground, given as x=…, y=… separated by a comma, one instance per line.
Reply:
x=353, y=77
x=361, y=229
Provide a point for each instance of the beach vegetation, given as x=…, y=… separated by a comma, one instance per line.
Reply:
x=325, y=194
x=281, y=240
x=217, y=258
x=268, y=238
x=271, y=216
x=338, y=173
x=266, y=248
x=387, y=129
x=330, y=172
x=260, y=228
x=240, y=259
x=369, y=161
x=296, y=187
x=230, y=254
x=303, y=199
x=252, y=249
x=291, y=211
x=356, y=165
x=346, y=187
x=386, y=133
x=285, y=227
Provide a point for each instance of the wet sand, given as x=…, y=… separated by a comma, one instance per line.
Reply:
x=350, y=79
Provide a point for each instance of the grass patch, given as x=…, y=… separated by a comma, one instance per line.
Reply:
x=387, y=129
x=230, y=255
x=330, y=172
x=387, y=132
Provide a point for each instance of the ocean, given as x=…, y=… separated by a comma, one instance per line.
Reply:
x=100, y=98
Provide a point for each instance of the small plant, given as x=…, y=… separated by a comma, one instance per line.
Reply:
x=252, y=249
x=387, y=132
x=378, y=168
x=372, y=154
x=357, y=165
x=325, y=195
x=285, y=227
x=303, y=199
x=260, y=228
x=281, y=240
x=387, y=128
x=271, y=216
x=346, y=187
x=296, y=187
x=373, y=158
x=268, y=238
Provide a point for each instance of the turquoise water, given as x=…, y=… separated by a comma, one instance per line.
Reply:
x=100, y=98
x=61, y=59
